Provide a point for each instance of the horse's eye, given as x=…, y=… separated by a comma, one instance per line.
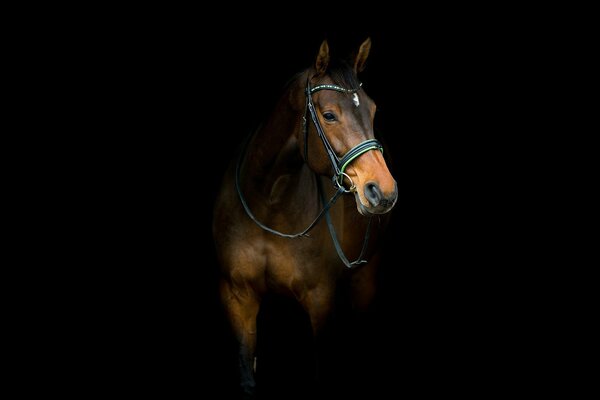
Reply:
x=329, y=116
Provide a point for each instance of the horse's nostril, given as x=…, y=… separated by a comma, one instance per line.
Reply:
x=373, y=193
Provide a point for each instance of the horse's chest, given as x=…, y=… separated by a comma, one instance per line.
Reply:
x=298, y=261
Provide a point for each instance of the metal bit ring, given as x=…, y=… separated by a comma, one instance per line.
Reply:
x=340, y=182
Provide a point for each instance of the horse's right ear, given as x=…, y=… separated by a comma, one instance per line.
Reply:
x=361, y=56
x=322, y=58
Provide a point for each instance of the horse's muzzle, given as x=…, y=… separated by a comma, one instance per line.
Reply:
x=379, y=202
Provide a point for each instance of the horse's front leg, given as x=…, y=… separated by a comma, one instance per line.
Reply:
x=363, y=286
x=318, y=303
x=242, y=305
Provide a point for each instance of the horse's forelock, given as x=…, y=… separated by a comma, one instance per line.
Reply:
x=342, y=74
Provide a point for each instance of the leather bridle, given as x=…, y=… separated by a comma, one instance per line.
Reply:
x=338, y=164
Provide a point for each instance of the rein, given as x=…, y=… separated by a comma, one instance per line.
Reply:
x=339, y=165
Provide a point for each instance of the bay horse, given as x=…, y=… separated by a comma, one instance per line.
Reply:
x=309, y=191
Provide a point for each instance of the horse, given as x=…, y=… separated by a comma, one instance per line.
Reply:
x=309, y=191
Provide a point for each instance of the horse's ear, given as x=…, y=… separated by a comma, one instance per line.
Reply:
x=322, y=58
x=361, y=57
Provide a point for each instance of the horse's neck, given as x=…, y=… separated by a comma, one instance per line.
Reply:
x=274, y=149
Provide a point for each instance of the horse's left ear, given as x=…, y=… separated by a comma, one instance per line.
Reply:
x=361, y=57
x=322, y=58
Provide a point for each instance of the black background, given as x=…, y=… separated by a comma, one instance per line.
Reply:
x=183, y=100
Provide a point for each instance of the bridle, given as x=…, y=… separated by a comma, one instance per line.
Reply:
x=338, y=164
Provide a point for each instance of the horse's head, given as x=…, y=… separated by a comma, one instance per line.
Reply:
x=338, y=136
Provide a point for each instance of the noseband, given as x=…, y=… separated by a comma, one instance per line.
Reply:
x=338, y=164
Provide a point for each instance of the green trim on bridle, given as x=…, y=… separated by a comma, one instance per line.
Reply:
x=367, y=148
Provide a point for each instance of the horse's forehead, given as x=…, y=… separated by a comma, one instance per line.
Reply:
x=352, y=101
